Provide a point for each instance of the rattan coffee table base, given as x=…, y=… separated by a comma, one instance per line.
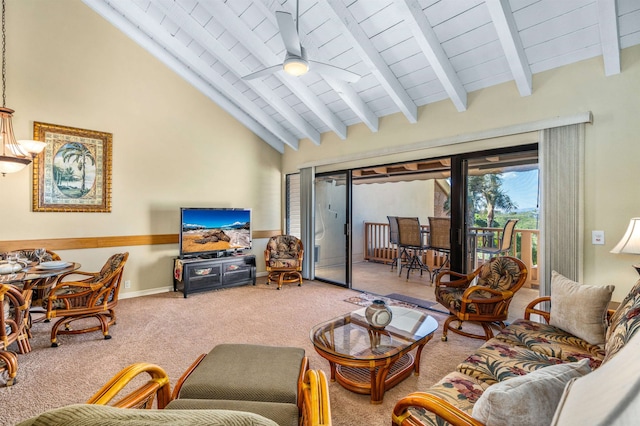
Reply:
x=359, y=380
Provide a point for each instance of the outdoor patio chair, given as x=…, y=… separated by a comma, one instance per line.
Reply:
x=482, y=297
x=411, y=242
x=440, y=240
x=505, y=241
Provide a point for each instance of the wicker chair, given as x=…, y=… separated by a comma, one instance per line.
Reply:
x=14, y=310
x=485, y=302
x=283, y=258
x=40, y=286
x=95, y=296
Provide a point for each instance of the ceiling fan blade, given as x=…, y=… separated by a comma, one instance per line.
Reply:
x=289, y=33
x=333, y=71
x=263, y=72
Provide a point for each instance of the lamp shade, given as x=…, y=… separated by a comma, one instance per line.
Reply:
x=630, y=242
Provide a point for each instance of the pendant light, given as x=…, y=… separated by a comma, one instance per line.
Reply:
x=16, y=155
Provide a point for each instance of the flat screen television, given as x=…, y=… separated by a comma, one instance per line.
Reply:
x=214, y=231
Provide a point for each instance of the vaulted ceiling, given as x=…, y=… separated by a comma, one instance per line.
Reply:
x=408, y=53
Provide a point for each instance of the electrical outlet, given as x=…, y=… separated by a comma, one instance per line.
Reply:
x=127, y=284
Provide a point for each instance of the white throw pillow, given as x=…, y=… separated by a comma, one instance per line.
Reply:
x=609, y=396
x=580, y=309
x=528, y=400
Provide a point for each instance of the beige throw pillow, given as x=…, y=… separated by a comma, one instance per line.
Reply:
x=528, y=400
x=579, y=309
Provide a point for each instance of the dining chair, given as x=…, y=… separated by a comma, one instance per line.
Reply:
x=93, y=297
x=440, y=241
x=411, y=241
x=394, y=239
x=13, y=316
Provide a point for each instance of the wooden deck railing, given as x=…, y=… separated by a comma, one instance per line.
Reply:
x=377, y=247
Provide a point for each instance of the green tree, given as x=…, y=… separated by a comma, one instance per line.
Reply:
x=485, y=192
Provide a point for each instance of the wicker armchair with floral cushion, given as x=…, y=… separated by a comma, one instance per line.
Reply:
x=283, y=258
x=482, y=296
x=14, y=309
x=93, y=297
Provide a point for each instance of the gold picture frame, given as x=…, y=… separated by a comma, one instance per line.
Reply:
x=73, y=172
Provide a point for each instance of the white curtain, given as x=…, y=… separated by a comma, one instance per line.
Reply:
x=561, y=157
x=307, y=203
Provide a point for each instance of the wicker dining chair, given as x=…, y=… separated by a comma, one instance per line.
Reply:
x=93, y=297
x=40, y=286
x=14, y=308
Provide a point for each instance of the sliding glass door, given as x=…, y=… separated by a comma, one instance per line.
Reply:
x=331, y=252
x=501, y=206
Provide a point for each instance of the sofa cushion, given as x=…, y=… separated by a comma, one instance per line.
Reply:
x=607, y=396
x=624, y=322
x=281, y=413
x=531, y=399
x=579, y=309
x=496, y=361
x=104, y=415
x=246, y=373
x=551, y=341
x=456, y=388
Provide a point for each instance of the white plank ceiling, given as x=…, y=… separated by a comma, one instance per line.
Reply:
x=409, y=53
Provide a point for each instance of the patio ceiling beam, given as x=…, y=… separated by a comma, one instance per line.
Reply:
x=431, y=47
x=505, y=25
x=370, y=55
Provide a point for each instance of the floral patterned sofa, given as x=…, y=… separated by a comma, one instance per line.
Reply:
x=575, y=369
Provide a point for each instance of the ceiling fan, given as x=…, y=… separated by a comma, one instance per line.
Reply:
x=296, y=62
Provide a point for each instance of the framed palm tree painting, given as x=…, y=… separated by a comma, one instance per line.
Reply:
x=73, y=172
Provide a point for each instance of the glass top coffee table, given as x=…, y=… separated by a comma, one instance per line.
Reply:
x=367, y=360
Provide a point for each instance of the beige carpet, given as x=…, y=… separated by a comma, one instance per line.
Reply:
x=171, y=331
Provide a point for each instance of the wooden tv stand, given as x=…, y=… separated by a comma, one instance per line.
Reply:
x=215, y=273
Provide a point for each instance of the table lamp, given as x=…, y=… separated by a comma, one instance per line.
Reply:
x=630, y=242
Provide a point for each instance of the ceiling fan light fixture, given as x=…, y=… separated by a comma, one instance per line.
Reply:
x=295, y=66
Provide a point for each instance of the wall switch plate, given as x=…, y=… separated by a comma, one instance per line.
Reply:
x=597, y=237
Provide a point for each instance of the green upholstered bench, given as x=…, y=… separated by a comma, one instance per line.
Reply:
x=266, y=380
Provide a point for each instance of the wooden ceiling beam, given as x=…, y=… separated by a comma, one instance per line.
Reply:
x=204, y=38
x=609, y=36
x=505, y=25
x=260, y=124
x=252, y=42
x=421, y=29
x=342, y=88
x=370, y=55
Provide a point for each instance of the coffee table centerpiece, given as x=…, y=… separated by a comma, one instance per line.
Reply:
x=369, y=360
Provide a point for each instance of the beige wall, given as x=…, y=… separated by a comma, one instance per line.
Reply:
x=172, y=146
x=612, y=194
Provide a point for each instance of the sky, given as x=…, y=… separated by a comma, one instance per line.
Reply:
x=522, y=187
